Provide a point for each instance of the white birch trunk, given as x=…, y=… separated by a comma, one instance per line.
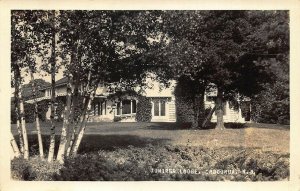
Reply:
x=66, y=123
x=37, y=120
x=53, y=64
x=20, y=136
x=23, y=126
x=83, y=125
x=77, y=129
x=73, y=126
x=82, y=117
x=15, y=148
x=17, y=107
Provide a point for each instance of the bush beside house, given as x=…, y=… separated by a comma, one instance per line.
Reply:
x=29, y=112
x=184, y=109
x=143, y=109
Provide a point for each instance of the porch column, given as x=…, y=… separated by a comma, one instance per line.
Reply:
x=131, y=106
x=94, y=104
x=159, y=107
x=105, y=107
x=100, y=108
x=121, y=107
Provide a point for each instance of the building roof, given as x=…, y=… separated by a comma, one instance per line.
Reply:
x=59, y=82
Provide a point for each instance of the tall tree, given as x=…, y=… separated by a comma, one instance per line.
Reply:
x=52, y=37
x=19, y=46
x=36, y=113
x=223, y=48
x=101, y=46
x=270, y=42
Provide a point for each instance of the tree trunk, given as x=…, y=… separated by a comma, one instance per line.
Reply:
x=20, y=134
x=82, y=116
x=14, y=146
x=208, y=117
x=17, y=108
x=196, y=104
x=199, y=110
x=73, y=125
x=23, y=125
x=219, y=111
x=21, y=114
x=66, y=123
x=77, y=128
x=53, y=99
x=85, y=118
x=37, y=120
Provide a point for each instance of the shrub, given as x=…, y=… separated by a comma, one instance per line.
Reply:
x=184, y=109
x=33, y=169
x=143, y=110
x=29, y=112
x=117, y=118
x=234, y=125
x=272, y=105
x=21, y=170
x=140, y=163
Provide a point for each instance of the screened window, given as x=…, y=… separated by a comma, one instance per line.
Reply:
x=133, y=106
x=159, y=108
x=162, y=108
x=156, y=108
x=126, y=107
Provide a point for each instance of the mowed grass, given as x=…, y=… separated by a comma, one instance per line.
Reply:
x=108, y=136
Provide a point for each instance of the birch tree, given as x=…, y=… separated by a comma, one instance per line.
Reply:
x=18, y=53
x=36, y=113
x=100, y=46
x=14, y=146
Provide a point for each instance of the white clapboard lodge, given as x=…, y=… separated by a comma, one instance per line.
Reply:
x=162, y=99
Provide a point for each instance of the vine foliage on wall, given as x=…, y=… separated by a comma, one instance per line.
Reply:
x=144, y=106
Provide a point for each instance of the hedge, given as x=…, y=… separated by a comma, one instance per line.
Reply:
x=29, y=112
x=143, y=110
x=138, y=164
x=184, y=109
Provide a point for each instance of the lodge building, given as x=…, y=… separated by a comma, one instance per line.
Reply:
x=162, y=100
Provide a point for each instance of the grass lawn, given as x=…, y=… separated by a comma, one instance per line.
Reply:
x=132, y=151
x=107, y=136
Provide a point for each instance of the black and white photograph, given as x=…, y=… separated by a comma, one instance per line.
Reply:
x=149, y=95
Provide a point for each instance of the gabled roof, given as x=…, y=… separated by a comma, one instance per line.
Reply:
x=59, y=82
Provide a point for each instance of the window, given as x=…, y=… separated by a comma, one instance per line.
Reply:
x=159, y=108
x=156, y=108
x=126, y=107
x=133, y=106
x=162, y=108
x=119, y=108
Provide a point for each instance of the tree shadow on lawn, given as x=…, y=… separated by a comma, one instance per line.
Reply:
x=187, y=126
x=168, y=126
x=268, y=126
x=212, y=125
x=92, y=143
